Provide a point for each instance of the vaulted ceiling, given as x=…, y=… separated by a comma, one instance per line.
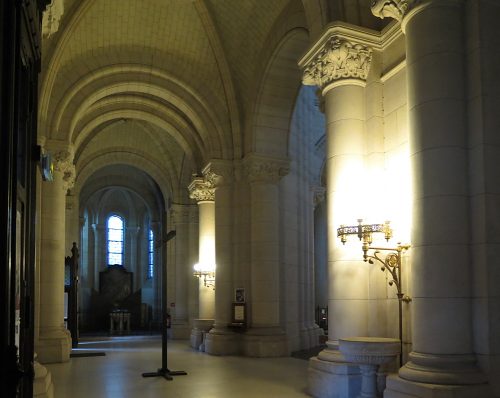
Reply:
x=166, y=85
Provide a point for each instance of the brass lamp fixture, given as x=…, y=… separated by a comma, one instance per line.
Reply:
x=207, y=272
x=391, y=263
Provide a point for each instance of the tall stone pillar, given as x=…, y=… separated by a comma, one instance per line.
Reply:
x=221, y=340
x=204, y=194
x=266, y=337
x=99, y=258
x=441, y=276
x=193, y=259
x=54, y=343
x=339, y=63
x=183, y=270
x=134, y=261
x=311, y=326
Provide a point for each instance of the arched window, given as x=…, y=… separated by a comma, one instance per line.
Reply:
x=115, y=240
x=150, y=254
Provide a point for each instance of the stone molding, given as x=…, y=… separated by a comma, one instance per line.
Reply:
x=265, y=169
x=442, y=369
x=51, y=18
x=337, y=59
x=396, y=9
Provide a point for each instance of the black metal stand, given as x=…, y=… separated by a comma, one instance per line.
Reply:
x=164, y=371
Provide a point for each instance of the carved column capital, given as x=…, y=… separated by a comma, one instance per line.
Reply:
x=201, y=190
x=404, y=10
x=396, y=9
x=63, y=162
x=51, y=17
x=219, y=172
x=265, y=169
x=318, y=195
x=336, y=58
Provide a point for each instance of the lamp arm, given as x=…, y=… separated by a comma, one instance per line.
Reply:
x=391, y=263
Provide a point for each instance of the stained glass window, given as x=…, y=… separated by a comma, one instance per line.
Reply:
x=115, y=240
x=150, y=254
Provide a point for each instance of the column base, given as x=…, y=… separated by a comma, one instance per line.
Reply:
x=330, y=377
x=180, y=330
x=310, y=337
x=200, y=328
x=42, y=383
x=265, y=342
x=396, y=387
x=442, y=369
x=222, y=342
x=54, y=346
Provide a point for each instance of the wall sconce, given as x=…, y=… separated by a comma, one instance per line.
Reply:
x=207, y=272
x=391, y=262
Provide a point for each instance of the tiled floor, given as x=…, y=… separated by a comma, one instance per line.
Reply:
x=119, y=373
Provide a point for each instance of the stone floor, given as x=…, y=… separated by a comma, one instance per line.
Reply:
x=118, y=374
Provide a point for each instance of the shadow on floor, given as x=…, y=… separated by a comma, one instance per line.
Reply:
x=307, y=354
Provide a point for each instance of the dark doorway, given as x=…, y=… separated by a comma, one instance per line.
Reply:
x=20, y=24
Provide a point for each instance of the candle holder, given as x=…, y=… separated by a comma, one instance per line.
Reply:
x=390, y=263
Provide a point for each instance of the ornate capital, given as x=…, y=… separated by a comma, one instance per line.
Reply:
x=63, y=162
x=263, y=169
x=201, y=190
x=51, y=17
x=219, y=172
x=337, y=59
x=396, y=9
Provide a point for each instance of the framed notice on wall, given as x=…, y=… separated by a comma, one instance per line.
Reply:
x=239, y=313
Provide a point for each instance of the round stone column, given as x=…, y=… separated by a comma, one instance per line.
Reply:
x=338, y=64
x=204, y=194
x=441, y=276
x=193, y=301
x=266, y=337
x=133, y=258
x=54, y=343
x=221, y=340
x=342, y=81
x=183, y=270
x=99, y=259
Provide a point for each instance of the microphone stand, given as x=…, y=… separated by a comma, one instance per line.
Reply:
x=164, y=371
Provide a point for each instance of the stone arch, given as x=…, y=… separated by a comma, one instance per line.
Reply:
x=143, y=86
x=126, y=156
x=276, y=97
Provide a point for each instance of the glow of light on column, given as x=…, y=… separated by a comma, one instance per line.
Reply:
x=398, y=193
x=348, y=193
